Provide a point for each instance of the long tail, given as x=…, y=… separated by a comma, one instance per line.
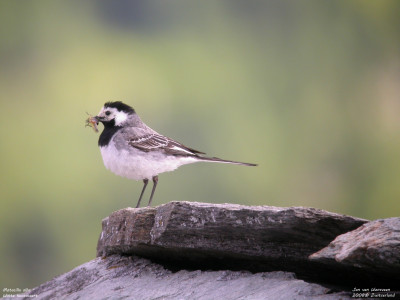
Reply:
x=224, y=161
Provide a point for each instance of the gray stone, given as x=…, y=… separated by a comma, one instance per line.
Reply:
x=119, y=277
x=209, y=251
x=224, y=236
x=374, y=248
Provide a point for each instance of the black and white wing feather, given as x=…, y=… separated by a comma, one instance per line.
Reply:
x=156, y=142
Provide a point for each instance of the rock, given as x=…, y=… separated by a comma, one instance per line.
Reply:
x=119, y=277
x=205, y=251
x=226, y=236
x=372, y=248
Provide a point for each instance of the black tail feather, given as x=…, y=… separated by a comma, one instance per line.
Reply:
x=219, y=160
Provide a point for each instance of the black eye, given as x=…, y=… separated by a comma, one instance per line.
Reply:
x=108, y=113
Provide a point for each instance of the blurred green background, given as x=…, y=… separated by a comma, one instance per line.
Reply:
x=309, y=90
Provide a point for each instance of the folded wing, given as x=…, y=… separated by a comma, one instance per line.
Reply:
x=156, y=142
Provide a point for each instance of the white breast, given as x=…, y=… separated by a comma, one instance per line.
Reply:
x=138, y=165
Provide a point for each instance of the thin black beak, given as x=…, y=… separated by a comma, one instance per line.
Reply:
x=97, y=119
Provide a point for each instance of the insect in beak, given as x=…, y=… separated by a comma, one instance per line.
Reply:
x=92, y=122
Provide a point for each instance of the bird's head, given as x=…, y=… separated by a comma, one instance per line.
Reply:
x=114, y=114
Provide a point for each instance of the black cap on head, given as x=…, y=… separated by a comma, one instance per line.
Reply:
x=120, y=106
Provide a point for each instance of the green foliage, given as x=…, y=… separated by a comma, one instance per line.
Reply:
x=309, y=90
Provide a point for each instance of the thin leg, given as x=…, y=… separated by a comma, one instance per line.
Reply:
x=155, y=181
x=145, y=181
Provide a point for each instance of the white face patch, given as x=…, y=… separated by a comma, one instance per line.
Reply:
x=120, y=117
x=109, y=113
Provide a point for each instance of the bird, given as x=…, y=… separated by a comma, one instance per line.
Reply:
x=133, y=150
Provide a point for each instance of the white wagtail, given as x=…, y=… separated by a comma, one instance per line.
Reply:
x=133, y=150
